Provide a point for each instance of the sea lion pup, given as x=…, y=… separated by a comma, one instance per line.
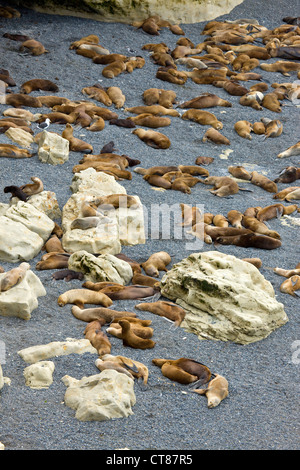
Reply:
x=204, y=160
x=153, y=109
x=248, y=240
x=34, y=47
x=114, y=69
x=273, y=128
x=75, y=145
x=255, y=261
x=164, y=309
x=202, y=117
x=270, y=212
x=150, y=120
x=143, y=280
x=98, y=94
x=153, y=139
x=105, y=315
x=243, y=129
x=16, y=192
x=90, y=39
x=149, y=25
x=53, y=244
x=130, y=339
x=239, y=172
x=263, y=182
x=35, y=187
x=290, y=285
x=214, y=136
x=156, y=262
x=135, y=368
x=18, y=100
x=253, y=99
x=163, y=58
x=198, y=230
x=288, y=175
x=97, y=337
x=12, y=151
x=167, y=98
x=37, y=84
x=205, y=100
x=282, y=66
x=231, y=87
x=142, y=331
x=270, y=101
x=183, y=370
x=97, y=125
x=216, y=391
x=259, y=227
x=116, y=95
x=190, y=215
x=258, y=128
x=80, y=297
x=290, y=151
x=13, y=277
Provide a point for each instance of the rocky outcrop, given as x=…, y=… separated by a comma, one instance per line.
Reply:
x=100, y=397
x=127, y=11
x=42, y=352
x=21, y=299
x=225, y=298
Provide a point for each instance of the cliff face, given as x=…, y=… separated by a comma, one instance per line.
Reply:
x=127, y=11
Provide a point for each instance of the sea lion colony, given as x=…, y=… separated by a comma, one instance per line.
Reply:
x=226, y=59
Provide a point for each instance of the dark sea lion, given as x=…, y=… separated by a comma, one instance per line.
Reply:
x=250, y=240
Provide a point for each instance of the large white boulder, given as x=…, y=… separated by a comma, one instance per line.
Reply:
x=95, y=183
x=53, y=148
x=17, y=242
x=21, y=299
x=225, y=298
x=100, y=397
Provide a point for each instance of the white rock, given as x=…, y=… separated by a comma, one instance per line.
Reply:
x=22, y=299
x=1, y=378
x=22, y=244
x=21, y=137
x=42, y=352
x=39, y=375
x=2, y=447
x=95, y=183
x=53, y=149
x=4, y=207
x=104, y=267
x=32, y=218
x=100, y=397
x=46, y=202
x=225, y=298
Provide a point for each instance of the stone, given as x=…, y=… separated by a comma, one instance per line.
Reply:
x=225, y=298
x=53, y=149
x=43, y=352
x=1, y=378
x=46, y=202
x=39, y=375
x=100, y=397
x=32, y=218
x=127, y=11
x=20, y=137
x=101, y=268
x=22, y=299
x=21, y=245
x=95, y=183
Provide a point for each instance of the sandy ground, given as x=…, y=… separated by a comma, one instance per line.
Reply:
x=262, y=409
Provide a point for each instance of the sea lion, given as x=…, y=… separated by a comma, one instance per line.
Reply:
x=170, y=74
x=231, y=87
x=153, y=109
x=235, y=217
x=287, y=272
x=183, y=370
x=202, y=117
x=34, y=47
x=164, y=309
x=156, y=262
x=258, y=128
x=155, y=170
x=253, y=99
x=108, y=58
x=293, y=195
x=115, y=201
x=18, y=100
x=288, y=175
x=51, y=100
x=290, y=285
x=35, y=187
x=150, y=120
x=67, y=275
x=84, y=223
x=273, y=127
x=263, y=182
x=90, y=39
x=239, y=172
x=97, y=125
x=285, y=192
x=54, y=261
x=116, y=95
x=137, y=369
x=132, y=63
x=114, y=69
x=270, y=212
x=95, y=48
x=220, y=220
x=16, y=192
x=191, y=215
x=215, y=232
x=104, y=364
x=53, y=244
x=80, y=297
x=243, y=129
x=122, y=122
x=259, y=227
x=98, y=94
x=154, y=139
x=159, y=181
x=204, y=160
x=250, y=240
x=206, y=100
x=216, y=391
x=223, y=185
x=75, y=145
x=130, y=339
x=255, y=261
x=12, y=151
x=209, y=76
x=106, y=315
x=13, y=277
x=290, y=151
x=191, y=62
x=143, y=280
x=271, y=102
x=282, y=66
x=97, y=338
x=213, y=135
x=193, y=170
x=131, y=292
x=135, y=265
x=37, y=84
x=142, y=331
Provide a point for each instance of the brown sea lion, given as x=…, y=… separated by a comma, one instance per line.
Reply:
x=80, y=297
x=75, y=145
x=67, y=275
x=153, y=139
x=204, y=160
x=114, y=69
x=130, y=339
x=263, y=182
x=143, y=280
x=235, y=217
x=164, y=309
x=288, y=175
x=250, y=240
x=290, y=151
x=53, y=244
x=239, y=172
x=205, y=100
x=137, y=369
x=159, y=181
x=271, y=102
x=191, y=215
x=202, y=117
x=13, y=277
x=129, y=292
x=220, y=220
x=116, y=95
x=97, y=338
x=105, y=315
x=153, y=109
x=213, y=135
x=18, y=100
x=90, y=39
x=156, y=262
x=216, y=391
x=258, y=128
x=285, y=192
x=142, y=331
x=150, y=120
x=34, y=47
x=55, y=261
x=243, y=129
x=183, y=370
x=259, y=227
x=291, y=285
x=37, y=84
x=270, y=212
